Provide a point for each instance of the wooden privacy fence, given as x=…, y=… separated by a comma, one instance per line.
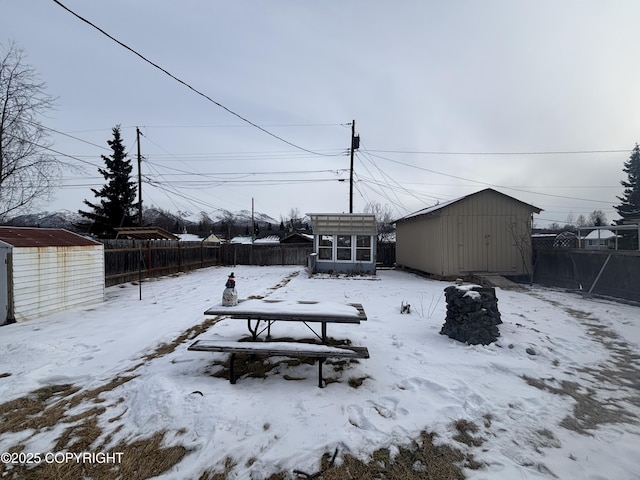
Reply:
x=128, y=260
x=131, y=260
x=280, y=254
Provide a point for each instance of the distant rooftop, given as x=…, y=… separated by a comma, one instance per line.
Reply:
x=145, y=233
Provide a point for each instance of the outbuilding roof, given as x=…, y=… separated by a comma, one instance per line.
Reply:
x=343, y=223
x=602, y=234
x=428, y=210
x=43, y=237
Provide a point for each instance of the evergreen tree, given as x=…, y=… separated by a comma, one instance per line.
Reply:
x=629, y=207
x=116, y=205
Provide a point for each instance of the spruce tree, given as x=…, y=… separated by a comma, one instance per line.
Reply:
x=116, y=206
x=629, y=207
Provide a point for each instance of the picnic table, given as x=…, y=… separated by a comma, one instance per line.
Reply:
x=255, y=311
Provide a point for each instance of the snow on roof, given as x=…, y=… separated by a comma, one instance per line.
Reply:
x=268, y=239
x=601, y=234
x=189, y=237
x=244, y=240
x=433, y=208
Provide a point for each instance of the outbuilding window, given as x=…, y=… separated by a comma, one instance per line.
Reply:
x=325, y=247
x=345, y=248
x=363, y=248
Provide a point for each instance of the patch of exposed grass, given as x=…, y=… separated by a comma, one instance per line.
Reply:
x=465, y=430
x=355, y=382
x=54, y=405
x=189, y=334
x=420, y=460
x=588, y=411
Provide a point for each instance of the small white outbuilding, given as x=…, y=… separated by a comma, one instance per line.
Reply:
x=45, y=270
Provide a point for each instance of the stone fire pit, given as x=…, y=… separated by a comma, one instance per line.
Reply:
x=472, y=314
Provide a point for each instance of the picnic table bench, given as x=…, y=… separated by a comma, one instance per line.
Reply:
x=285, y=349
x=255, y=311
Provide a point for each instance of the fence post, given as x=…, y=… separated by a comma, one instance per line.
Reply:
x=604, y=265
x=149, y=258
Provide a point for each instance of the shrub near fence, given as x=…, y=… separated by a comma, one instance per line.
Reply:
x=128, y=260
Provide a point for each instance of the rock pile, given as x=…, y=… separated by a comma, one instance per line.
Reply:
x=472, y=314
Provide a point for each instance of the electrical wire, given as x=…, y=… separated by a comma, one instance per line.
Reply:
x=485, y=183
x=551, y=152
x=182, y=82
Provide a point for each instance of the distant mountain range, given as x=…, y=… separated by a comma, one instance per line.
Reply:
x=151, y=216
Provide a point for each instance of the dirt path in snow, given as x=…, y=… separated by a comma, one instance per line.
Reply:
x=613, y=394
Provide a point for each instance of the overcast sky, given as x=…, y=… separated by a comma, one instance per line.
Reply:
x=448, y=98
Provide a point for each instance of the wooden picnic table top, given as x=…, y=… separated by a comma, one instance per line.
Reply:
x=291, y=310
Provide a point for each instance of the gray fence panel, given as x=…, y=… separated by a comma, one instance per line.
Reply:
x=578, y=270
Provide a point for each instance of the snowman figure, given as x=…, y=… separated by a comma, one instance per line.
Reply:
x=230, y=295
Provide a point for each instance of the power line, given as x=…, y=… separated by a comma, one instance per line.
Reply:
x=275, y=125
x=198, y=92
x=562, y=152
x=485, y=183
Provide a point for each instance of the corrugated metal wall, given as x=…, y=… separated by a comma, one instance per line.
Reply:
x=50, y=279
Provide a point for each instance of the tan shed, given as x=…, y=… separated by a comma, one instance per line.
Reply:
x=45, y=270
x=486, y=231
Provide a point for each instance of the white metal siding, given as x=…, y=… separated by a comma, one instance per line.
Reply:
x=50, y=279
x=5, y=251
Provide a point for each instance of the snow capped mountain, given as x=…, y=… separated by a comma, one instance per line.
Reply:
x=151, y=216
x=61, y=219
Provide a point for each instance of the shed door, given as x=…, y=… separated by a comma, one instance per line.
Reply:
x=4, y=284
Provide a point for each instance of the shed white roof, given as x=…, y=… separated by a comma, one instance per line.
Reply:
x=343, y=223
x=601, y=234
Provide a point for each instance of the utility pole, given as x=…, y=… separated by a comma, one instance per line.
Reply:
x=355, y=144
x=139, y=179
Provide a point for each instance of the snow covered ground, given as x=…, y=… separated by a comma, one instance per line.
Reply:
x=558, y=396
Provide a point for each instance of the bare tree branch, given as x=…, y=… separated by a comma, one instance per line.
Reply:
x=28, y=174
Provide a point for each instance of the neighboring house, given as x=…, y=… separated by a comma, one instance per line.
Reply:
x=344, y=243
x=248, y=240
x=144, y=233
x=297, y=238
x=189, y=237
x=486, y=231
x=600, y=239
x=45, y=270
x=241, y=240
x=213, y=238
x=267, y=240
